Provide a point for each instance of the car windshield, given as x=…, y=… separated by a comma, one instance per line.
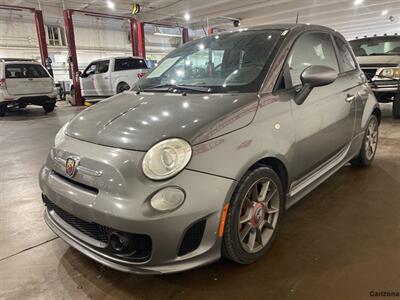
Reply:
x=389, y=45
x=229, y=62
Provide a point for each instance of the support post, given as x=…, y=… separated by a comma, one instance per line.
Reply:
x=185, y=35
x=133, y=37
x=140, y=39
x=41, y=35
x=73, y=60
x=210, y=31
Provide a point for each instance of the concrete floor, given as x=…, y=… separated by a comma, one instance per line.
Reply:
x=340, y=242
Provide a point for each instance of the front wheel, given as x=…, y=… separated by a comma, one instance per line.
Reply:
x=3, y=109
x=253, y=216
x=396, y=108
x=369, y=145
x=122, y=87
x=48, y=107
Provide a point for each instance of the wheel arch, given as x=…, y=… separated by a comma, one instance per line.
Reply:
x=121, y=82
x=377, y=112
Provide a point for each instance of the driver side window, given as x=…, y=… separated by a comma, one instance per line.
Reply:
x=310, y=49
x=91, y=69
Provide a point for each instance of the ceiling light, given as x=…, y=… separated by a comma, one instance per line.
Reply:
x=358, y=2
x=385, y=12
x=187, y=17
x=110, y=4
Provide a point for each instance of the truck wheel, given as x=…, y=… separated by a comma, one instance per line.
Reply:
x=3, y=109
x=396, y=108
x=48, y=107
x=122, y=86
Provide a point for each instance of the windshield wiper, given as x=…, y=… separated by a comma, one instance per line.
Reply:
x=175, y=87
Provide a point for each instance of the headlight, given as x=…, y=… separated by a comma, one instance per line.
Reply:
x=166, y=159
x=167, y=199
x=60, y=135
x=390, y=73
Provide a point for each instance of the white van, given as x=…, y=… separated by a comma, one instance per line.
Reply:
x=25, y=82
x=106, y=77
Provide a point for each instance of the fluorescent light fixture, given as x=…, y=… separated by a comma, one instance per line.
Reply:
x=167, y=34
x=358, y=2
x=385, y=12
x=187, y=17
x=110, y=4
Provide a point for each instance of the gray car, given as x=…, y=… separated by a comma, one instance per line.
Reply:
x=201, y=159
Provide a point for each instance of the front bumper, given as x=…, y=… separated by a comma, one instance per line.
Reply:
x=118, y=199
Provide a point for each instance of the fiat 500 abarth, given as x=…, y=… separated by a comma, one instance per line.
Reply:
x=203, y=156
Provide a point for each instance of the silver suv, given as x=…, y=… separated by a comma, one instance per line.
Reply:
x=24, y=82
x=204, y=156
x=379, y=58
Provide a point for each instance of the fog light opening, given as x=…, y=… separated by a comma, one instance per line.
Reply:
x=118, y=242
x=167, y=199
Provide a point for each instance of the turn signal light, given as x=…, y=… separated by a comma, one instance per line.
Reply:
x=140, y=75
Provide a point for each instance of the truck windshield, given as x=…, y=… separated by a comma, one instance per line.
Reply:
x=386, y=45
x=235, y=61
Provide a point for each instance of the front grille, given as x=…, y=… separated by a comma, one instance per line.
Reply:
x=192, y=238
x=370, y=73
x=93, y=230
x=140, y=243
x=76, y=183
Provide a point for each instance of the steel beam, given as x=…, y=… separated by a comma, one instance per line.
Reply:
x=141, y=45
x=73, y=59
x=185, y=35
x=133, y=36
x=44, y=54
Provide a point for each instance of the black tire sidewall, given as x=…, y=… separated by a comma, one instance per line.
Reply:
x=3, y=109
x=362, y=159
x=49, y=107
x=231, y=246
x=396, y=108
x=120, y=85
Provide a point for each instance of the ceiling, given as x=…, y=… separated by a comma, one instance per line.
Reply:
x=351, y=17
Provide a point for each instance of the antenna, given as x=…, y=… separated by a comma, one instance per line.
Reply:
x=297, y=18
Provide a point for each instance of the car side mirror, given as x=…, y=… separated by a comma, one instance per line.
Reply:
x=314, y=76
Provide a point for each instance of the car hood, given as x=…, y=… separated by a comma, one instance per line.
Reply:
x=379, y=60
x=138, y=121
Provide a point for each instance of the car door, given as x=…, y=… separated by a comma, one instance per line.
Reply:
x=87, y=80
x=101, y=78
x=324, y=122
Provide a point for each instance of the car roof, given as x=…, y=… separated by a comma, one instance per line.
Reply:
x=116, y=57
x=376, y=37
x=289, y=26
x=15, y=60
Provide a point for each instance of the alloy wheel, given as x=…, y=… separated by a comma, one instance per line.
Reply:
x=259, y=215
x=371, y=139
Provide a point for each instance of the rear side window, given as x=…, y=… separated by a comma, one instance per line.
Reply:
x=25, y=71
x=310, y=49
x=345, y=57
x=122, y=64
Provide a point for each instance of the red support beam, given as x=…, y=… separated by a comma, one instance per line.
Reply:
x=185, y=35
x=73, y=59
x=132, y=35
x=210, y=31
x=140, y=39
x=44, y=54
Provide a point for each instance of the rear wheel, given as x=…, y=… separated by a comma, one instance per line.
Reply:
x=3, y=109
x=253, y=216
x=22, y=105
x=48, y=107
x=369, y=145
x=396, y=108
x=122, y=86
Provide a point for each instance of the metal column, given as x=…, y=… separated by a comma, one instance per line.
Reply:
x=44, y=55
x=73, y=60
x=133, y=37
x=140, y=39
x=185, y=35
x=210, y=31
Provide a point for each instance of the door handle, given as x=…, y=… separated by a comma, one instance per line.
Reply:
x=350, y=98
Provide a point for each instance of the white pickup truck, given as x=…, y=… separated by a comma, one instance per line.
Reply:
x=106, y=77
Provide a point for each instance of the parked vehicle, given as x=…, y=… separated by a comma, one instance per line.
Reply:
x=379, y=58
x=106, y=77
x=25, y=82
x=204, y=156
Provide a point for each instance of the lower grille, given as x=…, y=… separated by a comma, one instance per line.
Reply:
x=140, y=244
x=370, y=73
x=192, y=238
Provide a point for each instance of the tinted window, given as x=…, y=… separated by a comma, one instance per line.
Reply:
x=25, y=71
x=122, y=64
x=387, y=45
x=345, y=57
x=102, y=66
x=90, y=69
x=310, y=49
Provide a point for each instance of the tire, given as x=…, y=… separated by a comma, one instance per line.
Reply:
x=396, y=107
x=22, y=105
x=48, y=107
x=122, y=86
x=244, y=214
x=3, y=109
x=367, y=154
x=72, y=101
